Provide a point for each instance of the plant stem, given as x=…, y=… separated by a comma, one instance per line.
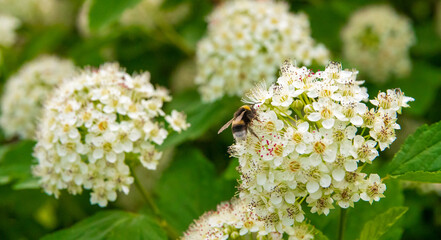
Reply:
x=147, y=197
x=342, y=224
x=149, y=200
x=363, y=131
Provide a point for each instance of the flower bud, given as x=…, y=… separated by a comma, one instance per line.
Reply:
x=308, y=109
x=297, y=104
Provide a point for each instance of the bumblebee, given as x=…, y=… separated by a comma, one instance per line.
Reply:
x=241, y=122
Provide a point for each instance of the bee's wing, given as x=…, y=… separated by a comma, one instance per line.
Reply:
x=240, y=116
x=225, y=126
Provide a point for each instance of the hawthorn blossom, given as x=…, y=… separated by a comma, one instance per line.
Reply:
x=313, y=149
x=245, y=43
x=95, y=126
x=377, y=40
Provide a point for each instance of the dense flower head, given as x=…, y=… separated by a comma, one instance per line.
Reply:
x=314, y=135
x=39, y=12
x=8, y=25
x=26, y=91
x=246, y=42
x=377, y=41
x=95, y=126
x=234, y=219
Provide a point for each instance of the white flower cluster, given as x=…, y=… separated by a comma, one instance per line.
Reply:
x=318, y=153
x=8, y=25
x=26, y=91
x=377, y=41
x=246, y=42
x=233, y=220
x=98, y=124
x=34, y=12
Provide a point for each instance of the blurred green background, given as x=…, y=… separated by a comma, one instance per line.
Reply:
x=199, y=173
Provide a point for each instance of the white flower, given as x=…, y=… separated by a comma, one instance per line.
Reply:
x=322, y=148
x=177, y=121
x=246, y=42
x=310, y=149
x=364, y=150
x=325, y=110
x=300, y=137
x=391, y=100
x=95, y=125
x=383, y=135
x=26, y=91
x=377, y=41
x=321, y=205
x=346, y=197
x=373, y=189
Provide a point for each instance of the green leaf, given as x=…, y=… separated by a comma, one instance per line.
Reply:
x=419, y=158
x=200, y=115
x=421, y=176
x=326, y=17
x=112, y=225
x=376, y=227
x=428, y=43
x=103, y=12
x=28, y=183
x=189, y=188
x=169, y=4
x=15, y=164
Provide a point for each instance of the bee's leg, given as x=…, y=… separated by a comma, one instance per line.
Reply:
x=252, y=132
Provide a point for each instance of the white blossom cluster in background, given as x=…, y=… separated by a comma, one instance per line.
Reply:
x=246, y=42
x=95, y=126
x=39, y=12
x=233, y=220
x=8, y=26
x=422, y=187
x=315, y=134
x=26, y=91
x=377, y=41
